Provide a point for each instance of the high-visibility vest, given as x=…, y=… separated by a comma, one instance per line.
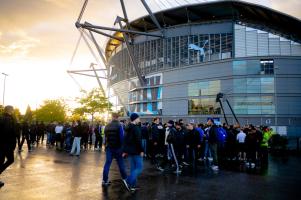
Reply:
x=266, y=137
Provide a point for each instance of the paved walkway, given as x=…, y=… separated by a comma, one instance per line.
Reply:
x=48, y=174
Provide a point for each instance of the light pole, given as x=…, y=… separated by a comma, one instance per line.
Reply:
x=5, y=75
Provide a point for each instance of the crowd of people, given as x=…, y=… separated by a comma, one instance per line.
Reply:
x=170, y=147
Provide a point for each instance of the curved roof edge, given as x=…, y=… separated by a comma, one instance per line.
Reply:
x=259, y=16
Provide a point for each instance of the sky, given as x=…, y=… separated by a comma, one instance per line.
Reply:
x=38, y=39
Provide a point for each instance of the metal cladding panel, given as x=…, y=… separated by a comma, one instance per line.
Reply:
x=122, y=89
x=251, y=43
x=296, y=49
x=274, y=46
x=263, y=44
x=175, y=91
x=288, y=85
x=287, y=67
x=208, y=71
x=285, y=48
x=212, y=28
x=179, y=107
x=240, y=41
x=289, y=105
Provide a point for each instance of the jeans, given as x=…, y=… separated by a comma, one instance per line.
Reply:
x=76, y=146
x=207, y=152
x=110, y=155
x=144, y=145
x=68, y=141
x=136, y=169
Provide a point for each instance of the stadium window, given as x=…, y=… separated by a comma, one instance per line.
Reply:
x=239, y=67
x=204, y=88
x=184, y=50
x=267, y=66
x=267, y=85
x=203, y=106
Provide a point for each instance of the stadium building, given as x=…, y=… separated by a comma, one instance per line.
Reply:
x=248, y=52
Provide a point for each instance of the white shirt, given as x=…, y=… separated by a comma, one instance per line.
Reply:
x=58, y=129
x=166, y=135
x=241, y=136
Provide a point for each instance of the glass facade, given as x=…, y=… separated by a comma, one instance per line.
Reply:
x=254, y=105
x=203, y=106
x=256, y=79
x=146, y=100
x=253, y=85
x=254, y=42
x=204, y=88
x=172, y=52
x=206, y=92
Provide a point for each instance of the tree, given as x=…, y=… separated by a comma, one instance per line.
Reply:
x=1, y=109
x=28, y=115
x=92, y=102
x=18, y=114
x=51, y=110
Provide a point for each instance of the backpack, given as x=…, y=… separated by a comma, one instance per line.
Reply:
x=221, y=135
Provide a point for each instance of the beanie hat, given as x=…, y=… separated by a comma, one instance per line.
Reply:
x=134, y=116
x=211, y=119
x=171, y=122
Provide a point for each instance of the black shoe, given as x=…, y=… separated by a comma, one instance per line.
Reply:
x=1, y=184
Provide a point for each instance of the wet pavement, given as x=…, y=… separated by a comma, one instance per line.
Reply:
x=49, y=174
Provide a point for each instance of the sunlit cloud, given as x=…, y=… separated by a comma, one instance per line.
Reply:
x=18, y=48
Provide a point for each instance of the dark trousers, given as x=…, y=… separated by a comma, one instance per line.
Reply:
x=20, y=145
x=8, y=154
x=98, y=141
x=40, y=137
x=155, y=150
x=264, y=156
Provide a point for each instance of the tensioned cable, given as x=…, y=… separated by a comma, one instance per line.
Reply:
x=76, y=48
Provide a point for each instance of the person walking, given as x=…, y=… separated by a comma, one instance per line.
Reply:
x=193, y=143
x=7, y=139
x=114, y=135
x=134, y=150
x=25, y=136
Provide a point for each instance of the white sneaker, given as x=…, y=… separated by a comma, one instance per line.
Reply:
x=185, y=163
x=252, y=165
x=214, y=168
x=210, y=159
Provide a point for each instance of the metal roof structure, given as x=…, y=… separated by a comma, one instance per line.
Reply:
x=256, y=16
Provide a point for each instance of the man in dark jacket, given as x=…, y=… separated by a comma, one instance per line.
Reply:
x=134, y=150
x=7, y=139
x=156, y=146
x=213, y=132
x=193, y=143
x=25, y=136
x=114, y=135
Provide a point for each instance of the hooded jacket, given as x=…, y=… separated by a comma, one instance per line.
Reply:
x=132, y=140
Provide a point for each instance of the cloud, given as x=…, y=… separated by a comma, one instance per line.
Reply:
x=291, y=7
x=17, y=45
